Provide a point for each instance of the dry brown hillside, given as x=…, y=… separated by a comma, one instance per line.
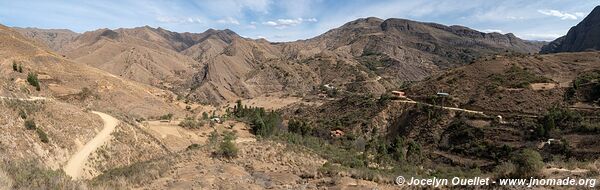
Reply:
x=218, y=65
x=510, y=84
x=138, y=54
x=55, y=39
x=64, y=79
x=42, y=129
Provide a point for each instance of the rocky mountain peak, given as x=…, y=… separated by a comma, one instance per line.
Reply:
x=582, y=37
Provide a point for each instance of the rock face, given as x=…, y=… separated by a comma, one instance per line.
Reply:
x=55, y=39
x=582, y=37
x=365, y=55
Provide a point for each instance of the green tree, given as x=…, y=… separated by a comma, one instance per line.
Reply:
x=32, y=79
x=237, y=109
x=414, y=154
x=398, y=149
x=529, y=163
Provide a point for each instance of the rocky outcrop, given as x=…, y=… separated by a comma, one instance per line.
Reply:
x=582, y=37
x=55, y=39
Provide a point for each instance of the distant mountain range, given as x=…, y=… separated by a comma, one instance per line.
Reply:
x=365, y=55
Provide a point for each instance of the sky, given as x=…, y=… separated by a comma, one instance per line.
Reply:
x=289, y=20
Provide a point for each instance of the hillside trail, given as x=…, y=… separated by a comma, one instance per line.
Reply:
x=443, y=107
x=76, y=163
x=31, y=98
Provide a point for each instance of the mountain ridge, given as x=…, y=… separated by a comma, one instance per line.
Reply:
x=582, y=37
x=219, y=65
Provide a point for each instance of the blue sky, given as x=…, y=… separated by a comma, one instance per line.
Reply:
x=287, y=20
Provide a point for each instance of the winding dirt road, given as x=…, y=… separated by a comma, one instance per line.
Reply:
x=76, y=163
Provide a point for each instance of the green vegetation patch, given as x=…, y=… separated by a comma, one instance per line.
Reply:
x=517, y=77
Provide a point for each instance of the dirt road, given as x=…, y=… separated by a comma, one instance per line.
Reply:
x=76, y=163
x=31, y=98
x=446, y=108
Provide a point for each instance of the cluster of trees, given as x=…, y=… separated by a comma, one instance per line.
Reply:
x=586, y=87
x=517, y=77
x=32, y=79
x=17, y=67
x=263, y=123
x=555, y=119
x=399, y=150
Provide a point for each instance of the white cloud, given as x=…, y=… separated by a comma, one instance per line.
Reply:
x=492, y=30
x=540, y=36
x=228, y=20
x=284, y=23
x=179, y=20
x=562, y=15
x=580, y=14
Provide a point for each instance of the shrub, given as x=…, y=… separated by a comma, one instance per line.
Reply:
x=190, y=123
x=398, y=149
x=85, y=93
x=529, y=163
x=32, y=79
x=517, y=77
x=505, y=170
x=414, y=154
x=14, y=66
x=33, y=175
x=213, y=137
x=299, y=127
x=193, y=147
x=227, y=148
x=30, y=125
x=22, y=114
x=20, y=68
x=168, y=116
x=558, y=118
x=43, y=136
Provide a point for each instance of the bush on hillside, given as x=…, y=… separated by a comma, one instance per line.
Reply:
x=517, y=77
x=558, y=118
x=30, y=125
x=32, y=79
x=529, y=163
x=43, y=136
x=168, y=116
x=227, y=148
x=191, y=123
x=22, y=114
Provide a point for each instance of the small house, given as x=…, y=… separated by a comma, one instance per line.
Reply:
x=216, y=120
x=399, y=94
